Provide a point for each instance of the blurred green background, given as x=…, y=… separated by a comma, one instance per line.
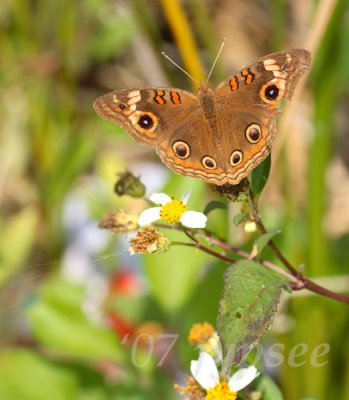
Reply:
x=69, y=293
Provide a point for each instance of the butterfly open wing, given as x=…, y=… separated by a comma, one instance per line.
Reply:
x=218, y=136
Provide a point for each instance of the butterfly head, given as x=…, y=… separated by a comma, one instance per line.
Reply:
x=204, y=88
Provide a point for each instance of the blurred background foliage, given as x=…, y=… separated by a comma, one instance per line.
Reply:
x=79, y=317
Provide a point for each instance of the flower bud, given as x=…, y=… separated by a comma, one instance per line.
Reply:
x=129, y=184
x=205, y=337
x=200, y=333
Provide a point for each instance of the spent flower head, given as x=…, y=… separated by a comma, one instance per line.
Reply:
x=172, y=210
x=149, y=240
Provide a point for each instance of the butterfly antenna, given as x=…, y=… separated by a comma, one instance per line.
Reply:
x=183, y=70
x=217, y=56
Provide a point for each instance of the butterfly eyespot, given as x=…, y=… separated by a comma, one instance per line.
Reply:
x=236, y=157
x=253, y=133
x=145, y=121
x=181, y=149
x=271, y=92
x=209, y=162
x=122, y=106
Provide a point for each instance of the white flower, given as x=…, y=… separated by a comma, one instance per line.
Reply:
x=205, y=372
x=172, y=210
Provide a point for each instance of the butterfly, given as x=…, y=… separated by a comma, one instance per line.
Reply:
x=218, y=135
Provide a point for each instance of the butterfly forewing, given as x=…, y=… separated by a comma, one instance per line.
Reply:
x=147, y=114
x=259, y=86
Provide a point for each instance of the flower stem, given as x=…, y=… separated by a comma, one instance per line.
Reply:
x=207, y=249
x=313, y=287
x=258, y=221
x=297, y=280
x=301, y=281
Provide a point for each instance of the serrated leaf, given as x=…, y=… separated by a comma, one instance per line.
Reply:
x=213, y=205
x=260, y=176
x=241, y=217
x=247, y=307
x=268, y=389
x=263, y=240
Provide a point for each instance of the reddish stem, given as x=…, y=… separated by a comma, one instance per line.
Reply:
x=302, y=282
x=297, y=280
x=313, y=287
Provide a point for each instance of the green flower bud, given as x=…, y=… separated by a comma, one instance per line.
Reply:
x=129, y=184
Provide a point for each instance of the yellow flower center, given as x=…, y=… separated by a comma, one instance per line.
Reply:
x=200, y=333
x=220, y=392
x=173, y=210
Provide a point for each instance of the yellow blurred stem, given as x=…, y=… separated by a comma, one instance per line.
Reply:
x=184, y=38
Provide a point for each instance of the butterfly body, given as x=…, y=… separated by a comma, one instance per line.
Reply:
x=218, y=135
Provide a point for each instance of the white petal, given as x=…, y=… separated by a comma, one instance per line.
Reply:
x=204, y=370
x=242, y=378
x=186, y=196
x=149, y=215
x=160, y=198
x=193, y=219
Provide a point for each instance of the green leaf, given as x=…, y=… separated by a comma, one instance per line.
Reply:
x=212, y=205
x=260, y=176
x=26, y=375
x=239, y=218
x=263, y=240
x=247, y=307
x=72, y=337
x=59, y=323
x=174, y=275
x=268, y=389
